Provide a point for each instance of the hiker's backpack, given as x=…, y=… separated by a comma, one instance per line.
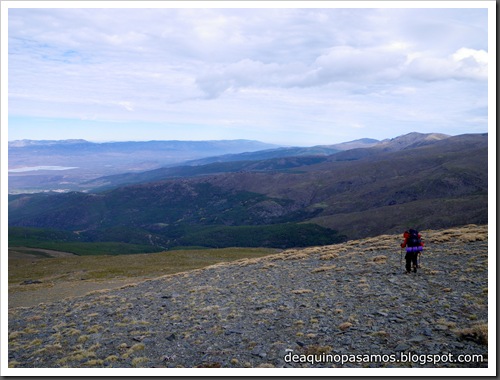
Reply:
x=413, y=239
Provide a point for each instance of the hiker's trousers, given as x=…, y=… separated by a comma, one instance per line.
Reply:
x=411, y=258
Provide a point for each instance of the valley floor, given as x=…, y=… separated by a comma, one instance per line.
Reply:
x=321, y=304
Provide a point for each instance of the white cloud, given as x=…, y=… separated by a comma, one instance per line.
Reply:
x=465, y=63
x=472, y=63
x=345, y=63
x=252, y=69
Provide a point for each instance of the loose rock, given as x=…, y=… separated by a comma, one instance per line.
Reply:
x=249, y=313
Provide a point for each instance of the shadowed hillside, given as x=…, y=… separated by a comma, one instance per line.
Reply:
x=431, y=183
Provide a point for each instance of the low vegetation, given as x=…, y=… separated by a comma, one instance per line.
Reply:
x=31, y=276
x=250, y=312
x=128, y=240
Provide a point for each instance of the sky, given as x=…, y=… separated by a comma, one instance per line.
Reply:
x=290, y=76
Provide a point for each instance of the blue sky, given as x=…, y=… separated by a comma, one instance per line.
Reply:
x=292, y=76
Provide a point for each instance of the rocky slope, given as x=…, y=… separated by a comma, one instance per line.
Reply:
x=326, y=303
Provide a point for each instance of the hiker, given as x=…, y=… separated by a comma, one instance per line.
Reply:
x=414, y=245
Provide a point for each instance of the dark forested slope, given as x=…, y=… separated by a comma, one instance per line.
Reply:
x=357, y=193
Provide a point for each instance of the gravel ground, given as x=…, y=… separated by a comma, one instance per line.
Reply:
x=316, y=306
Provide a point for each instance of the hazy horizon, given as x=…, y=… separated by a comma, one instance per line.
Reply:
x=242, y=139
x=288, y=76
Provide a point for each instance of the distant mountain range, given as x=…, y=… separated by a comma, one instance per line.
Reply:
x=33, y=164
x=76, y=165
x=416, y=180
x=80, y=165
x=271, y=159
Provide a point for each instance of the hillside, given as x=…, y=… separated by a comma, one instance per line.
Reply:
x=332, y=302
x=79, y=165
x=186, y=171
x=270, y=154
x=348, y=195
x=270, y=160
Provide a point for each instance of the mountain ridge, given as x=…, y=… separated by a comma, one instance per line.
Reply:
x=88, y=165
x=371, y=193
x=276, y=159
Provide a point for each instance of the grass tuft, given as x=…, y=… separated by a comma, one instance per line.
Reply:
x=477, y=333
x=345, y=325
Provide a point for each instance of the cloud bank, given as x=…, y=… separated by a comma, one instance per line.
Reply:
x=279, y=75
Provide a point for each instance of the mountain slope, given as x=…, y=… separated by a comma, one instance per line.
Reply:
x=281, y=164
x=36, y=166
x=410, y=140
x=342, y=300
x=268, y=154
x=433, y=186
x=281, y=159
